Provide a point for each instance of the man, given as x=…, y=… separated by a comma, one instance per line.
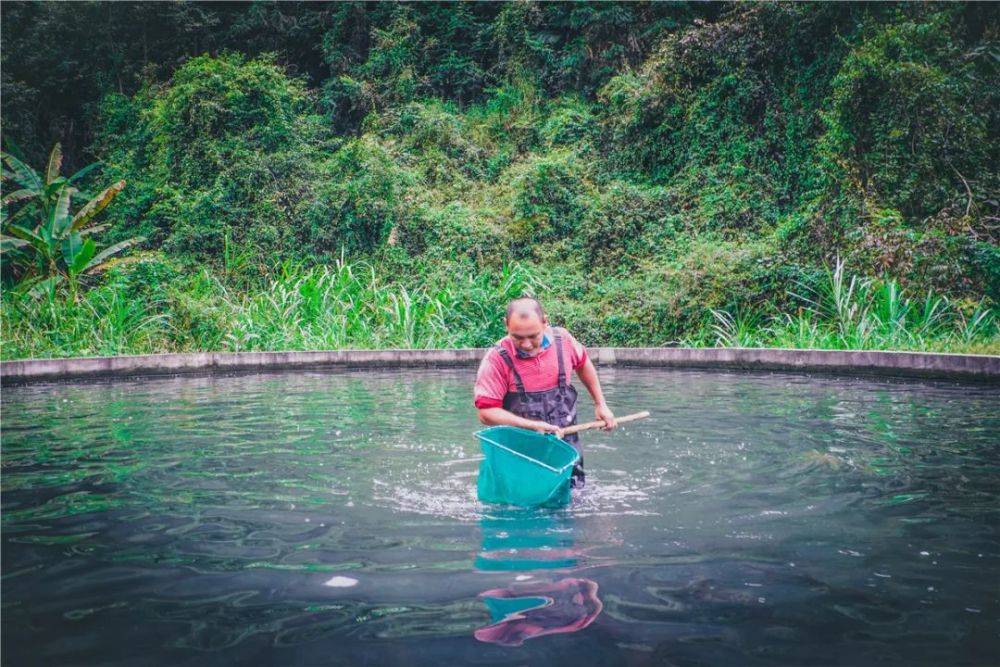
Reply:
x=524, y=380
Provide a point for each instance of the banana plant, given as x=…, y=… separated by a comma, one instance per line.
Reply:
x=44, y=238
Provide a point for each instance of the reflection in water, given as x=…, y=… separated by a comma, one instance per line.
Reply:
x=517, y=540
x=536, y=609
x=526, y=539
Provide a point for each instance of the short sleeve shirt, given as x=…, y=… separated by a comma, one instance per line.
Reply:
x=539, y=373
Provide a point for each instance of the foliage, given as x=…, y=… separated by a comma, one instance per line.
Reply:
x=55, y=243
x=225, y=151
x=549, y=198
x=625, y=224
x=449, y=234
x=152, y=305
x=855, y=313
x=103, y=322
x=664, y=172
x=352, y=305
x=358, y=201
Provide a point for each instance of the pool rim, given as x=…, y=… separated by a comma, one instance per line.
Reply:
x=932, y=365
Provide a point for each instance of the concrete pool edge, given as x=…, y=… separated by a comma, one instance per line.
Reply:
x=911, y=364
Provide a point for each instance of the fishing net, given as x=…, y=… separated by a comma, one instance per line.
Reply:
x=524, y=468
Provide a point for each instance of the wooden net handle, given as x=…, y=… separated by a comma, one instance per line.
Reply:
x=600, y=424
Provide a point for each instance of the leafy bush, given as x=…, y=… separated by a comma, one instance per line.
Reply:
x=361, y=196
x=906, y=104
x=510, y=115
x=625, y=224
x=441, y=142
x=569, y=122
x=451, y=233
x=46, y=241
x=225, y=149
x=549, y=198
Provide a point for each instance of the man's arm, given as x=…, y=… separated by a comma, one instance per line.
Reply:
x=501, y=417
x=588, y=375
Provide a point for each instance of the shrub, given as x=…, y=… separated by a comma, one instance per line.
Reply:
x=549, y=198
x=709, y=274
x=906, y=106
x=511, y=115
x=443, y=144
x=624, y=224
x=451, y=232
x=570, y=122
x=361, y=197
x=224, y=149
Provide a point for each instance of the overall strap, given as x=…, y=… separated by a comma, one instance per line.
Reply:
x=510, y=364
x=559, y=356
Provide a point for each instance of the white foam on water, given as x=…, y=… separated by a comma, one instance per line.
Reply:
x=341, y=582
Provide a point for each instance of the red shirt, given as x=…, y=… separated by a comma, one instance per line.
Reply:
x=538, y=373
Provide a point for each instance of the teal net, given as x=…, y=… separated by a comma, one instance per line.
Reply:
x=525, y=468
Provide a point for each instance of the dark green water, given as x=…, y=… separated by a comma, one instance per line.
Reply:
x=331, y=519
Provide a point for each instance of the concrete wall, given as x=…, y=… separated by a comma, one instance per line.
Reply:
x=914, y=364
x=918, y=364
x=171, y=364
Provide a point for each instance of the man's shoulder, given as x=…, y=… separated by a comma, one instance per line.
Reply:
x=576, y=348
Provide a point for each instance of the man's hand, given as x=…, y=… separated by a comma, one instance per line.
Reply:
x=603, y=412
x=544, y=427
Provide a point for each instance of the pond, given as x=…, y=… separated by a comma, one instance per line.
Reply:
x=330, y=518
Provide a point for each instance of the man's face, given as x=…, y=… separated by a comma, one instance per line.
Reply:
x=526, y=330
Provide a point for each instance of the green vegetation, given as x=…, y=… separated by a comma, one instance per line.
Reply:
x=151, y=305
x=310, y=175
x=848, y=313
x=48, y=242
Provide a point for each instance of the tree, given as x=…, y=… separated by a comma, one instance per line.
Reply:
x=43, y=242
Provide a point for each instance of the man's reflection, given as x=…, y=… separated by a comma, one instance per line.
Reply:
x=517, y=540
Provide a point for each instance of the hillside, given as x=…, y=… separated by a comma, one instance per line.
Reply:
x=310, y=175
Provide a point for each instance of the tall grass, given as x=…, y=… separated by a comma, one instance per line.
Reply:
x=848, y=312
x=353, y=305
x=357, y=304
x=349, y=304
x=102, y=323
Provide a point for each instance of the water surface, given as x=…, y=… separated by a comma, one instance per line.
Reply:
x=330, y=518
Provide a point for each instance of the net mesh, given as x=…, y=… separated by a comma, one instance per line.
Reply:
x=524, y=468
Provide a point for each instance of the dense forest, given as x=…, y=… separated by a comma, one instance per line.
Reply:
x=184, y=176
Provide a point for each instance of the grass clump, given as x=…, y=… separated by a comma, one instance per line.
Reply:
x=848, y=312
x=347, y=304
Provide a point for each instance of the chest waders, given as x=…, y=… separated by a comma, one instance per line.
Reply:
x=554, y=406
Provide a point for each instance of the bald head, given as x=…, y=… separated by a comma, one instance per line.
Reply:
x=526, y=324
x=524, y=310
